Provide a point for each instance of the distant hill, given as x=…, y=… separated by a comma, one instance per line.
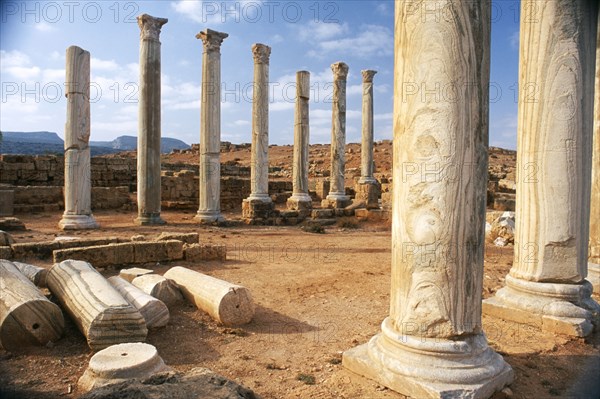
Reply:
x=40, y=143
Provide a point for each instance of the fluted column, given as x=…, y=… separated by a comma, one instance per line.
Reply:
x=209, y=207
x=259, y=172
x=337, y=193
x=432, y=344
x=546, y=285
x=300, y=199
x=148, y=149
x=594, y=245
x=366, y=155
x=78, y=188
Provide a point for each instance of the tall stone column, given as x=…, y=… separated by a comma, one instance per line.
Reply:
x=337, y=197
x=546, y=286
x=148, y=150
x=209, y=208
x=432, y=344
x=78, y=187
x=594, y=245
x=366, y=158
x=258, y=206
x=300, y=199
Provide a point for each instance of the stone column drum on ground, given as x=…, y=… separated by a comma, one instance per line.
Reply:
x=78, y=186
x=148, y=149
x=432, y=343
x=546, y=285
x=259, y=204
x=209, y=208
x=300, y=199
x=594, y=245
x=337, y=197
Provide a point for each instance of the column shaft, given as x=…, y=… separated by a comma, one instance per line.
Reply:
x=300, y=198
x=78, y=204
x=209, y=208
x=149, y=124
x=366, y=157
x=337, y=193
x=546, y=285
x=259, y=172
x=432, y=344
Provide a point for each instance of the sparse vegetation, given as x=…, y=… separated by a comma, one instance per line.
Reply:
x=308, y=379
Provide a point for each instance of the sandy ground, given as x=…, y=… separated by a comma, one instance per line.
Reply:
x=316, y=294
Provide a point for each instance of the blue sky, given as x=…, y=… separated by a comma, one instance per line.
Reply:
x=303, y=35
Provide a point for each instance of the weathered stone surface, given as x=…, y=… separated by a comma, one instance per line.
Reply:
x=102, y=315
x=186, y=238
x=159, y=287
x=26, y=316
x=193, y=384
x=502, y=230
x=431, y=344
x=121, y=362
x=37, y=275
x=11, y=224
x=337, y=192
x=7, y=199
x=209, y=207
x=322, y=188
x=227, y=303
x=368, y=193
x=6, y=239
x=199, y=252
x=148, y=148
x=154, y=311
x=546, y=285
x=131, y=273
x=6, y=253
x=594, y=244
x=366, y=152
x=78, y=196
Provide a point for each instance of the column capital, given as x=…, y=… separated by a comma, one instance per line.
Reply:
x=261, y=53
x=367, y=75
x=150, y=26
x=211, y=39
x=340, y=70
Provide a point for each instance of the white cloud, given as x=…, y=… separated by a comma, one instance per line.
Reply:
x=383, y=9
x=55, y=55
x=214, y=12
x=44, y=27
x=277, y=38
x=13, y=58
x=316, y=31
x=53, y=75
x=241, y=122
x=514, y=40
x=382, y=117
x=373, y=40
x=103, y=65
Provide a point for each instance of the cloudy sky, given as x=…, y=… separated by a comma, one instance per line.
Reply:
x=303, y=35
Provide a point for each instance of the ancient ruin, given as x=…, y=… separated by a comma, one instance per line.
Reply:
x=148, y=154
x=594, y=245
x=546, y=285
x=78, y=210
x=209, y=209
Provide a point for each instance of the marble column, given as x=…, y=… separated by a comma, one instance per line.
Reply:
x=337, y=197
x=594, y=244
x=432, y=344
x=259, y=172
x=546, y=286
x=209, y=209
x=148, y=149
x=300, y=199
x=78, y=187
x=366, y=158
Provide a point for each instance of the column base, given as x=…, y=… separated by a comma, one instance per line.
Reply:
x=259, y=197
x=367, y=194
x=149, y=219
x=336, y=201
x=209, y=217
x=299, y=202
x=367, y=180
x=560, y=308
x=594, y=276
x=257, y=211
x=422, y=367
x=78, y=222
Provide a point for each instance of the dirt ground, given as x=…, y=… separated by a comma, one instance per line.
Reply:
x=316, y=294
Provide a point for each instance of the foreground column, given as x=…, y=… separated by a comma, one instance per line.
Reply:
x=594, y=245
x=78, y=191
x=209, y=207
x=367, y=189
x=300, y=199
x=148, y=150
x=258, y=206
x=337, y=197
x=432, y=344
x=546, y=286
